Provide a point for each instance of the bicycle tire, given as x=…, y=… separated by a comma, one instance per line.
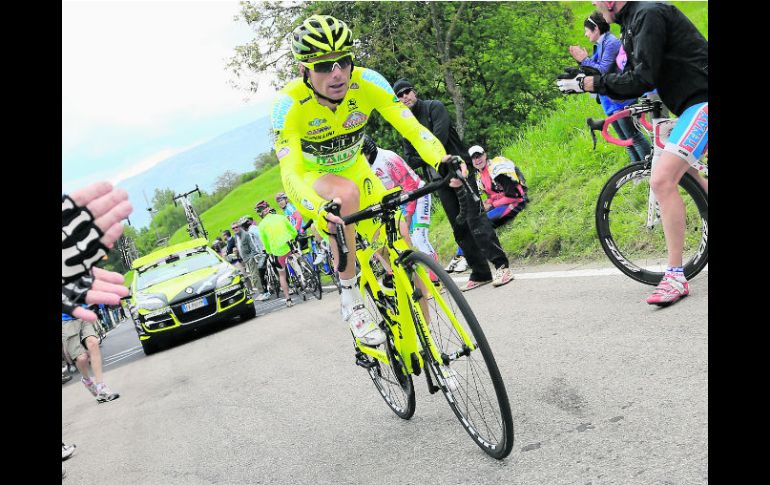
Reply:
x=636, y=250
x=486, y=418
x=312, y=280
x=296, y=281
x=394, y=385
x=335, y=276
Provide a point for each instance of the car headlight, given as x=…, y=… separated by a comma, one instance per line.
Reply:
x=150, y=303
x=225, y=280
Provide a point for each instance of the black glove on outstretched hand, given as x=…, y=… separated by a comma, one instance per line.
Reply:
x=81, y=247
x=72, y=294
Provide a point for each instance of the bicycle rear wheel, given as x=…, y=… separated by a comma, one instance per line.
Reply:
x=636, y=249
x=393, y=383
x=468, y=377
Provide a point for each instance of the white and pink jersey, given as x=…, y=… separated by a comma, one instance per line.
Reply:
x=393, y=171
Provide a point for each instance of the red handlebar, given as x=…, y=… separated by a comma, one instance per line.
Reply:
x=615, y=141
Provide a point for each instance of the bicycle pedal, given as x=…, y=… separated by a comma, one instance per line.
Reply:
x=365, y=363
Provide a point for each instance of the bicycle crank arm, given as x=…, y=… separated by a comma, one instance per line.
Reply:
x=376, y=353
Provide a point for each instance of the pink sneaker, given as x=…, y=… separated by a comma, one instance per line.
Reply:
x=668, y=291
x=90, y=385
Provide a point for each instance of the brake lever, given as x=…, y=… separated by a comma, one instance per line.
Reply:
x=592, y=126
x=464, y=180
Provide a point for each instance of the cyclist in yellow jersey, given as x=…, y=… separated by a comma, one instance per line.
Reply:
x=319, y=122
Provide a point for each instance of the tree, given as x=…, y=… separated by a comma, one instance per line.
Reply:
x=226, y=182
x=162, y=198
x=264, y=160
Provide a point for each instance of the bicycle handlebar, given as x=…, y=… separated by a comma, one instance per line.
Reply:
x=638, y=110
x=391, y=202
x=196, y=189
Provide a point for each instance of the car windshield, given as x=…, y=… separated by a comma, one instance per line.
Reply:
x=175, y=265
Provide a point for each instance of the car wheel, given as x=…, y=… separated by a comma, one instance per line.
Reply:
x=149, y=347
x=250, y=313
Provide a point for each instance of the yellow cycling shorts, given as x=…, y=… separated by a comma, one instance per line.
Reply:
x=370, y=189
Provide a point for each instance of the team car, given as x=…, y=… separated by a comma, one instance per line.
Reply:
x=182, y=287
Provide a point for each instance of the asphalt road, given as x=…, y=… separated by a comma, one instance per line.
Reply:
x=604, y=389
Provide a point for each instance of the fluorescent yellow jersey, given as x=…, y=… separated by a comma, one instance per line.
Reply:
x=311, y=139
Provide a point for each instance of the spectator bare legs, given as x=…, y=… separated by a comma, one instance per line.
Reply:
x=82, y=344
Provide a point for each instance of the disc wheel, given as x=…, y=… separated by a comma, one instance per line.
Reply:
x=635, y=246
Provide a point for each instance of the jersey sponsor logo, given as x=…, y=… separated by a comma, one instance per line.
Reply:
x=395, y=99
x=379, y=173
x=375, y=77
x=356, y=118
x=406, y=113
x=354, y=86
x=426, y=135
x=304, y=100
x=337, y=158
x=368, y=186
x=317, y=122
x=307, y=205
x=282, y=153
x=330, y=145
x=325, y=135
x=352, y=105
x=280, y=110
x=319, y=130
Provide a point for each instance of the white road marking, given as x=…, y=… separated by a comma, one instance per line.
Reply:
x=557, y=274
x=121, y=355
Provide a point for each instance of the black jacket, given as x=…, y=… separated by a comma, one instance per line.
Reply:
x=433, y=115
x=665, y=51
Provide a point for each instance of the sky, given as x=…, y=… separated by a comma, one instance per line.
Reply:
x=145, y=80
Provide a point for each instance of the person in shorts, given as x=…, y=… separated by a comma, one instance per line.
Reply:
x=81, y=342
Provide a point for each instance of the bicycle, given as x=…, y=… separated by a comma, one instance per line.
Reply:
x=427, y=327
x=301, y=274
x=271, y=277
x=628, y=216
x=194, y=224
x=326, y=266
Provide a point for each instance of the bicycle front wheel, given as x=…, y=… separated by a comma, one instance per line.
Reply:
x=393, y=383
x=631, y=232
x=468, y=374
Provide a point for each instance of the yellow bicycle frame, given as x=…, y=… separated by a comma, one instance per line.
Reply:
x=400, y=317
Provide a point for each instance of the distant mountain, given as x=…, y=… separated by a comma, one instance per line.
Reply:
x=234, y=150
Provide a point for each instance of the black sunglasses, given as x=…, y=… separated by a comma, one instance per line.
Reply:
x=328, y=66
x=405, y=92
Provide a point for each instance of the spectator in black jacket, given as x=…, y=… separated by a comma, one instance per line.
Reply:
x=473, y=233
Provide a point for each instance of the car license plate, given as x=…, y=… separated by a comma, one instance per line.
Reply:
x=194, y=305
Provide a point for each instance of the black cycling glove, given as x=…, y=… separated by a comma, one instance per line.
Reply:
x=74, y=293
x=80, y=244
